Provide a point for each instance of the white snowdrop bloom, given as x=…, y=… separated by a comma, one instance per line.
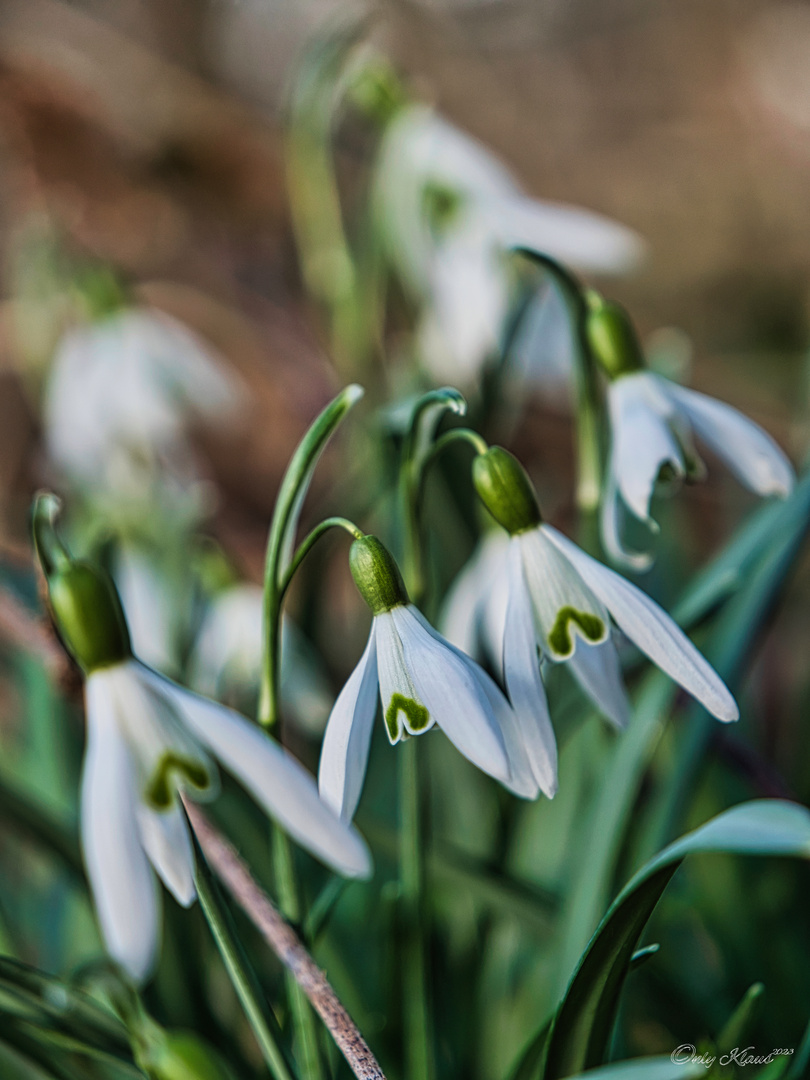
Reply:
x=449, y=212
x=562, y=605
x=422, y=681
x=149, y=741
x=151, y=612
x=653, y=425
x=120, y=394
x=473, y=615
x=227, y=658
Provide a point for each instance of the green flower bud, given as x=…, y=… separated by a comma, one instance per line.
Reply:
x=182, y=1056
x=613, y=339
x=505, y=489
x=89, y=615
x=376, y=575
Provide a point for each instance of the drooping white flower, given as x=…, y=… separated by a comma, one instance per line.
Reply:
x=227, y=657
x=422, y=681
x=563, y=605
x=449, y=213
x=473, y=615
x=149, y=742
x=120, y=395
x=653, y=423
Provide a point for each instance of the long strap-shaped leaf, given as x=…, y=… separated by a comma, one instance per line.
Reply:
x=657, y=1068
x=584, y=1020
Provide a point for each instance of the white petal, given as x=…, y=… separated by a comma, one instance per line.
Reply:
x=559, y=598
x=474, y=611
x=521, y=779
x=344, y=753
x=652, y=630
x=123, y=885
x=611, y=513
x=641, y=439
x=579, y=238
x=598, y=672
x=275, y=779
x=403, y=708
x=524, y=685
x=165, y=837
x=453, y=695
x=750, y=453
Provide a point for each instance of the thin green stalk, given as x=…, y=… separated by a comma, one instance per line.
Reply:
x=419, y=1063
x=309, y=542
x=239, y=971
x=588, y=414
x=306, y=1035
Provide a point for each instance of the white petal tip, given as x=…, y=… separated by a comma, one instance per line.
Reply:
x=353, y=393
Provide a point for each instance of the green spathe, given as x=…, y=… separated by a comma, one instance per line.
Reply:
x=377, y=575
x=505, y=489
x=89, y=616
x=613, y=339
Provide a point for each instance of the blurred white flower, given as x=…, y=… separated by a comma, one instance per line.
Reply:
x=151, y=607
x=147, y=740
x=652, y=422
x=449, y=212
x=421, y=680
x=227, y=658
x=119, y=398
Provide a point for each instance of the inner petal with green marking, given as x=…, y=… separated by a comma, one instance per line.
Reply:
x=570, y=621
x=172, y=771
x=415, y=716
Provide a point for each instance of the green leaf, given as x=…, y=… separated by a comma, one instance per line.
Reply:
x=658, y=1068
x=585, y=1017
x=239, y=970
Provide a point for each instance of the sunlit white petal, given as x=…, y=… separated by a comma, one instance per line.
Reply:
x=524, y=685
x=122, y=882
x=750, y=453
x=344, y=752
x=651, y=629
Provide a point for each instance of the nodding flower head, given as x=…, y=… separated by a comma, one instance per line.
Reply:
x=504, y=487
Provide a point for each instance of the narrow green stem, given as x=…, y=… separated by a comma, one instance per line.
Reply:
x=309, y=542
x=239, y=971
x=589, y=458
x=419, y=1063
x=306, y=1035
x=51, y=552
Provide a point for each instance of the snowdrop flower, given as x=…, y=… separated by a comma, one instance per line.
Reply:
x=653, y=423
x=449, y=213
x=565, y=604
x=421, y=681
x=227, y=658
x=149, y=742
x=119, y=397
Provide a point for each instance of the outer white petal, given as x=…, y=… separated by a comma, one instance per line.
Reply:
x=553, y=587
x=652, y=630
x=610, y=516
x=641, y=439
x=750, y=453
x=580, y=238
x=521, y=781
x=524, y=684
x=453, y=695
x=344, y=753
x=124, y=888
x=597, y=670
x=274, y=778
x=165, y=838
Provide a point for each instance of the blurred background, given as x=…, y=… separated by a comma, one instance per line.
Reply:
x=142, y=160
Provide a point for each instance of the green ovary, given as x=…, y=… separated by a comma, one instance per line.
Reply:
x=417, y=716
x=162, y=784
x=560, y=639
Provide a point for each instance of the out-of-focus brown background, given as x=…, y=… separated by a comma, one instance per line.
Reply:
x=149, y=134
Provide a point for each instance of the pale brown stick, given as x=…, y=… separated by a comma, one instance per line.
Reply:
x=285, y=943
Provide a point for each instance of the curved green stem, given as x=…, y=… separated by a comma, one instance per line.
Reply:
x=309, y=542
x=589, y=459
x=51, y=551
